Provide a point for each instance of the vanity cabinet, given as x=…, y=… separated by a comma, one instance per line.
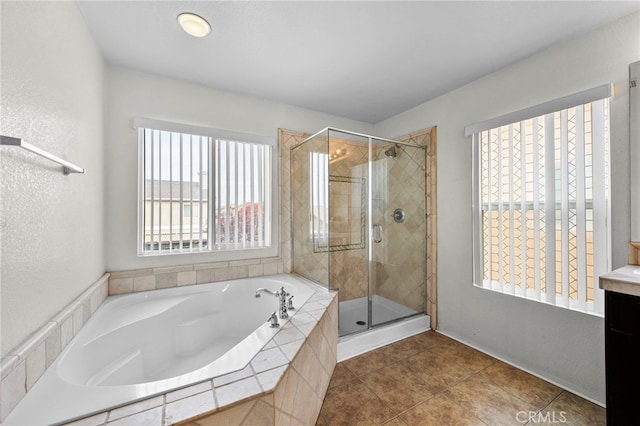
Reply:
x=622, y=352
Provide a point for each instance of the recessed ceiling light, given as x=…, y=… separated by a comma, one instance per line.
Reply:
x=194, y=25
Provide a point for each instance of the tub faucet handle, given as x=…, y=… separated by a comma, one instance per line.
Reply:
x=290, y=304
x=273, y=320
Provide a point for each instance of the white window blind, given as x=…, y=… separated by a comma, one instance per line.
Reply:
x=241, y=197
x=200, y=193
x=541, y=205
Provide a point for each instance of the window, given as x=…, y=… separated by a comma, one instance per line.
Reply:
x=319, y=199
x=541, y=203
x=202, y=190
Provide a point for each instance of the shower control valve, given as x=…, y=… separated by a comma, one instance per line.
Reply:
x=399, y=215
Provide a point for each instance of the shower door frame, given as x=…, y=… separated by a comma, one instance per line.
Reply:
x=369, y=234
x=371, y=250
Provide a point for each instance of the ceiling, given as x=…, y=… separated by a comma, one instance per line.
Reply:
x=366, y=61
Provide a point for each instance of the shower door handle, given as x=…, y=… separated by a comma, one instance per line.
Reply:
x=377, y=233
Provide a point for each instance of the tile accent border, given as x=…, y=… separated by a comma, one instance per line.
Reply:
x=22, y=367
x=284, y=383
x=135, y=280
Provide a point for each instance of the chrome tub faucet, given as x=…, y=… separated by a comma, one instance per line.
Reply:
x=282, y=295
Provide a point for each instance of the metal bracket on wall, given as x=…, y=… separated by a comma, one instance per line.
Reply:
x=67, y=167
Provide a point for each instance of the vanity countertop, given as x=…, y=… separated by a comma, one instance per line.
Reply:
x=622, y=280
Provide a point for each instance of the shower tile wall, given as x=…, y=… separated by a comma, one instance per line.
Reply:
x=397, y=277
x=348, y=268
x=309, y=262
x=286, y=140
x=428, y=139
x=399, y=266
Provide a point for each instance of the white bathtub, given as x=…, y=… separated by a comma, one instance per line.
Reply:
x=142, y=344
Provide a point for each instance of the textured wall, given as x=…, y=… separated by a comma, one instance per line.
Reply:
x=563, y=346
x=51, y=225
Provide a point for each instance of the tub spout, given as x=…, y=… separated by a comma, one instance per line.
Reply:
x=265, y=290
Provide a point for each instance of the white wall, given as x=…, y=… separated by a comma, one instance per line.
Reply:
x=564, y=346
x=51, y=225
x=136, y=94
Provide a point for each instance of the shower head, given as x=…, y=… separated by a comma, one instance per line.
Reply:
x=391, y=152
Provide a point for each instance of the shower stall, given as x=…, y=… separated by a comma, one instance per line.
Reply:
x=358, y=224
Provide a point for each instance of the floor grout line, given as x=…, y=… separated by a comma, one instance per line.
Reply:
x=464, y=362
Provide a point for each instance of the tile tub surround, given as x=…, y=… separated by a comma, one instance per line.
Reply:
x=22, y=367
x=135, y=280
x=285, y=382
x=622, y=280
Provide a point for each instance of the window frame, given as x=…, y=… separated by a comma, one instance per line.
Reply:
x=601, y=264
x=217, y=255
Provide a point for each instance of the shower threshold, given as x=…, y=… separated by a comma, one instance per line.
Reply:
x=357, y=338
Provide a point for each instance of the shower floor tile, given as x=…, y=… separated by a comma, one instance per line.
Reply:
x=353, y=313
x=429, y=379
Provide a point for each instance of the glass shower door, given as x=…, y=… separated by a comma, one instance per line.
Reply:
x=398, y=242
x=348, y=161
x=358, y=224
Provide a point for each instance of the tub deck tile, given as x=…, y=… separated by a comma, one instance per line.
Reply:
x=97, y=420
x=137, y=407
x=233, y=377
x=291, y=349
x=190, y=407
x=189, y=391
x=307, y=328
x=270, y=378
x=288, y=335
x=302, y=318
x=237, y=391
x=311, y=306
x=266, y=360
x=149, y=417
x=270, y=345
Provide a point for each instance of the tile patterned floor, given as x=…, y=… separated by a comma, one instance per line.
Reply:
x=429, y=379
